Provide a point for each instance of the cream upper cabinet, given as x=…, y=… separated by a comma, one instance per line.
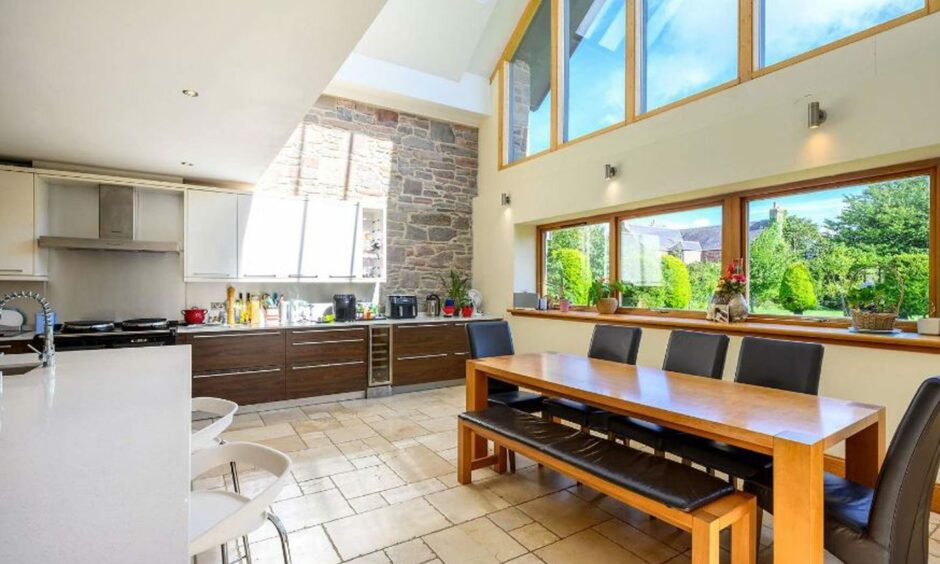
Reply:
x=211, y=235
x=270, y=232
x=19, y=253
x=330, y=241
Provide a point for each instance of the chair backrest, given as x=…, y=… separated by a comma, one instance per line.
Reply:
x=701, y=354
x=243, y=519
x=617, y=343
x=785, y=365
x=491, y=338
x=208, y=435
x=900, y=512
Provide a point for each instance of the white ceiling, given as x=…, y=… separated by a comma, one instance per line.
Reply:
x=98, y=83
x=431, y=56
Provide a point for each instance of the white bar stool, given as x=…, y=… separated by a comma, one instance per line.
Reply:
x=218, y=517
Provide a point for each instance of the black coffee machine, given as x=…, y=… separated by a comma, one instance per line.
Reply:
x=344, y=307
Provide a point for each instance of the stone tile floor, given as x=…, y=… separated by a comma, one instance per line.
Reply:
x=373, y=481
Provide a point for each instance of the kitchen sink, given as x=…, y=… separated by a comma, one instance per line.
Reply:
x=18, y=369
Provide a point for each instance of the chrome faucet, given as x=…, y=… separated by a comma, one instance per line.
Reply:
x=47, y=356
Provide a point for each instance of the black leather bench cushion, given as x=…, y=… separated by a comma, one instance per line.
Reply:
x=650, y=434
x=729, y=459
x=660, y=479
x=527, y=429
x=516, y=399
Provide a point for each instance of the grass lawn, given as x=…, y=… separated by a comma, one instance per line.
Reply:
x=774, y=309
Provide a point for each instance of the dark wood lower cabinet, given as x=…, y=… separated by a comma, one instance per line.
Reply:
x=243, y=386
x=15, y=347
x=306, y=380
x=425, y=353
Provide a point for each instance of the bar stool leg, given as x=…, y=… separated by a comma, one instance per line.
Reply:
x=281, y=532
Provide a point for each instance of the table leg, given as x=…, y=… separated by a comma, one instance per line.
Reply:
x=798, y=500
x=476, y=400
x=865, y=452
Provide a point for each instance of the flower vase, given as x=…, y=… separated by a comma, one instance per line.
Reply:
x=737, y=307
x=564, y=305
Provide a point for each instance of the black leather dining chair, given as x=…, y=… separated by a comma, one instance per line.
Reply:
x=689, y=352
x=772, y=363
x=494, y=338
x=616, y=343
x=890, y=523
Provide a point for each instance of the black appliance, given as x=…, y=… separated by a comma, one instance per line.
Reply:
x=402, y=307
x=91, y=335
x=344, y=307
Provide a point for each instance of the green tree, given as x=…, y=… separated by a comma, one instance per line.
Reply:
x=890, y=218
x=677, y=289
x=568, y=269
x=834, y=271
x=703, y=277
x=769, y=256
x=914, y=270
x=803, y=237
x=796, y=292
x=597, y=249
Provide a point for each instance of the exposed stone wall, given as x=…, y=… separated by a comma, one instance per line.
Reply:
x=424, y=170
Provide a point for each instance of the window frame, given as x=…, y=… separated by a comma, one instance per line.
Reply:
x=748, y=39
x=734, y=243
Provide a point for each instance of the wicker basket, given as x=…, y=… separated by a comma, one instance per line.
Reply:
x=868, y=321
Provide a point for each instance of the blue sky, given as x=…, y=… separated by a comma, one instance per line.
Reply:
x=691, y=46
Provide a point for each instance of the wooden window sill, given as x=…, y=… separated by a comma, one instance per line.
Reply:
x=906, y=341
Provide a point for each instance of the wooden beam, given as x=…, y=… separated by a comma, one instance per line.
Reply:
x=745, y=39
x=933, y=6
x=554, y=72
x=630, y=98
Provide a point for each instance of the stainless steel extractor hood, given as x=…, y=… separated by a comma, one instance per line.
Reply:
x=117, y=215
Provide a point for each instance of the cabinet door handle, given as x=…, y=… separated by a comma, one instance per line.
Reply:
x=328, y=365
x=214, y=274
x=333, y=342
x=461, y=353
x=235, y=335
x=6, y=347
x=11, y=270
x=303, y=275
x=305, y=332
x=422, y=356
x=260, y=275
x=419, y=325
x=237, y=373
x=344, y=276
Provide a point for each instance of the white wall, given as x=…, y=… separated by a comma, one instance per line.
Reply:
x=882, y=97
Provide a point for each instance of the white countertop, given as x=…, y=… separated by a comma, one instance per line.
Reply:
x=420, y=319
x=94, y=457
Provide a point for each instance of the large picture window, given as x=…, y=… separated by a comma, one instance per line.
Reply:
x=595, y=47
x=673, y=260
x=687, y=47
x=787, y=28
x=808, y=250
x=528, y=95
x=573, y=257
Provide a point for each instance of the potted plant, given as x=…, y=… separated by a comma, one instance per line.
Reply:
x=564, y=304
x=602, y=294
x=729, y=292
x=456, y=293
x=872, y=308
x=466, y=307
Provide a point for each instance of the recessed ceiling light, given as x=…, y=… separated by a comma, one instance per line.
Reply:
x=186, y=163
x=190, y=92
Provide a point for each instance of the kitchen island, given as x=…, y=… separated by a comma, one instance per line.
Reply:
x=95, y=457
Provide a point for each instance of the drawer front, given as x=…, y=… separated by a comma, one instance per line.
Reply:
x=256, y=385
x=421, y=369
x=321, y=345
x=429, y=338
x=320, y=379
x=237, y=350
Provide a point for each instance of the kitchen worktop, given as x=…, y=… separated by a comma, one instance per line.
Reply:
x=96, y=457
x=17, y=336
x=421, y=319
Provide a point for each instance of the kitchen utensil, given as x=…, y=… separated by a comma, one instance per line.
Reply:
x=344, y=307
x=402, y=307
x=194, y=315
x=432, y=305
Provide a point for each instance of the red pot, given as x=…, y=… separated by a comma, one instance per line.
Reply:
x=194, y=316
x=466, y=311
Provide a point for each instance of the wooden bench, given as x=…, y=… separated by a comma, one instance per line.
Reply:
x=680, y=495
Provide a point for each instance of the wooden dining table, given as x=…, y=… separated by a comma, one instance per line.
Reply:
x=796, y=429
